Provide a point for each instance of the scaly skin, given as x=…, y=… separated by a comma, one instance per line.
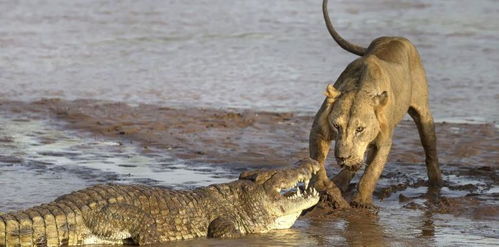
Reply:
x=138, y=214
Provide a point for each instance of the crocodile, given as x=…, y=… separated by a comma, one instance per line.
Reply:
x=258, y=202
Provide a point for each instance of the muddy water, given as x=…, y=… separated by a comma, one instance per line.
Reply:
x=253, y=54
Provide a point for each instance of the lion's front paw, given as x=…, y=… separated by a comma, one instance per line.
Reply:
x=331, y=194
x=335, y=199
x=365, y=205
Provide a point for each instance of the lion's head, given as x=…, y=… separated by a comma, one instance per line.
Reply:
x=356, y=119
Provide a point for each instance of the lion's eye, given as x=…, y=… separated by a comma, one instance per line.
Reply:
x=359, y=129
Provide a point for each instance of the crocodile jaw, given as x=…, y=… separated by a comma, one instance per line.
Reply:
x=286, y=221
x=293, y=206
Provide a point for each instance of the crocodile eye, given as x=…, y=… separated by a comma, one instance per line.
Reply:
x=336, y=126
x=359, y=129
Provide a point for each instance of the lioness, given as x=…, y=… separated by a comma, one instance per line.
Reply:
x=363, y=107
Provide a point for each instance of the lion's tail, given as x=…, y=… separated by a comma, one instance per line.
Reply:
x=355, y=49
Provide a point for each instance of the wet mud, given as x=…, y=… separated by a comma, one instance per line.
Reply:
x=218, y=144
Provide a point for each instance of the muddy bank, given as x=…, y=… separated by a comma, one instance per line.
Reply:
x=251, y=138
x=465, y=211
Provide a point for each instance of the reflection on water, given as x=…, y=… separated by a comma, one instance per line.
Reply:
x=272, y=55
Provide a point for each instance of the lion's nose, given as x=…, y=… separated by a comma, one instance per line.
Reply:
x=343, y=158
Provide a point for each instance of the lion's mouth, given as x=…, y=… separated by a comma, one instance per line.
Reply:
x=351, y=166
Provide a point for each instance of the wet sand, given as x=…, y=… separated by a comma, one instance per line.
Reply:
x=465, y=211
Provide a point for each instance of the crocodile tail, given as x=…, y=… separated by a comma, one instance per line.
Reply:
x=355, y=49
x=46, y=225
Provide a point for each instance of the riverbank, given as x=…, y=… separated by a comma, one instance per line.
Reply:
x=224, y=142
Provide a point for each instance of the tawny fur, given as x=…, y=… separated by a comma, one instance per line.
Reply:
x=363, y=107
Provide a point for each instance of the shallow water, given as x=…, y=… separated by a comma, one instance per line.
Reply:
x=253, y=54
x=40, y=160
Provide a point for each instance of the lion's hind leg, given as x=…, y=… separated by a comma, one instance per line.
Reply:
x=426, y=128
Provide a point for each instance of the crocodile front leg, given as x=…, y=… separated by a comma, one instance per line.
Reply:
x=223, y=228
x=118, y=222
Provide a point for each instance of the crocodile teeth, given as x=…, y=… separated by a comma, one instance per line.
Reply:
x=298, y=192
x=306, y=184
x=314, y=192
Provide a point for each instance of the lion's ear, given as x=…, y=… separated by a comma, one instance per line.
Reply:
x=380, y=99
x=331, y=93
